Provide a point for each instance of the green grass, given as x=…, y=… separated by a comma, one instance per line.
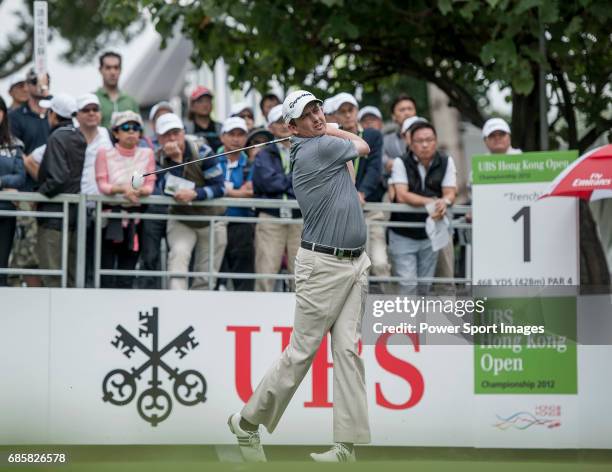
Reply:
x=295, y=459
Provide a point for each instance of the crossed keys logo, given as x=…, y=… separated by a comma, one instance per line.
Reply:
x=154, y=404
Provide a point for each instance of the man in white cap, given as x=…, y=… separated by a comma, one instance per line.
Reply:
x=29, y=124
x=329, y=109
x=202, y=181
x=240, y=251
x=272, y=179
x=60, y=171
x=157, y=110
x=370, y=117
x=18, y=91
x=496, y=135
x=245, y=111
x=331, y=276
x=89, y=118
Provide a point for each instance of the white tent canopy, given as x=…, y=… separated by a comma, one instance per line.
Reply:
x=160, y=73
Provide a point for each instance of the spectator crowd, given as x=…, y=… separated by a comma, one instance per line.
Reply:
x=93, y=144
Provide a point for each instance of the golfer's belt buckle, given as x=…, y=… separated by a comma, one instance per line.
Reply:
x=340, y=253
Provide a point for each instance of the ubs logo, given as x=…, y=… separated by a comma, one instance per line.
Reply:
x=154, y=404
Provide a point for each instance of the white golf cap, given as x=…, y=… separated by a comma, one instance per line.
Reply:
x=369, y=110
x=167, y=122
x=14, y=80
x=294, y=104
x=232, y=123
x=495, y=124
x=342, y=98
x=163, y=105
x=238, y=107
x=62, y=104
x=87, y=99
x=275, y=114
x=328, y=105
x=409, y=122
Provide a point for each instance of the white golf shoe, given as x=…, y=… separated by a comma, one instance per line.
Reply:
x=248, y=441
x=338, y=453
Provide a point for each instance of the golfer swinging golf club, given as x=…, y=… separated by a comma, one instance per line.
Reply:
x=331, y=283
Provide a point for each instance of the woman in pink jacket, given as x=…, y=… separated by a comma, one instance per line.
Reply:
x=114, y=170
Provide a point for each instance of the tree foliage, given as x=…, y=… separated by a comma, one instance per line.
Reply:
x=462, y=47
x=80, y=22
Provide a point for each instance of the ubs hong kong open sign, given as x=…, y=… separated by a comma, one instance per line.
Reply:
x=518, y=239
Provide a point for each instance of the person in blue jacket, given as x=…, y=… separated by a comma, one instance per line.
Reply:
x=12, y=178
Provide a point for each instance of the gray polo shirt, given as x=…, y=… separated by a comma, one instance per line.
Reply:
x=326, y=193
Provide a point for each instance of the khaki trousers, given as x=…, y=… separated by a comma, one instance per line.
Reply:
x=49, y=250
x=377, y=244
x=182, y=239
x=446, y=261
x=330, y=296
x=270, y=242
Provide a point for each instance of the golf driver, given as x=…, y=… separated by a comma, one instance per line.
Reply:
x=138, y=178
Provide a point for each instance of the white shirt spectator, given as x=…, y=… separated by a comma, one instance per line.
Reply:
x=37, y=154
x=399, y=175
x=88, y=178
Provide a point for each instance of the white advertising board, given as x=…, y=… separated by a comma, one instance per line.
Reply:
x=58, y=348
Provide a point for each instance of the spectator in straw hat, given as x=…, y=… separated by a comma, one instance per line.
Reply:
x=114, y=170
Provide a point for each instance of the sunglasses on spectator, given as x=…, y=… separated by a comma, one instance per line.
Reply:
x=90, y=110
x=420, y=142
x=130, y=127
x=246, y=115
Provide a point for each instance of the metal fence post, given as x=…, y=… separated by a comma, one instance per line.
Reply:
x=98, y=244
x=81, y=241
x=65, y=230
x=211, y=254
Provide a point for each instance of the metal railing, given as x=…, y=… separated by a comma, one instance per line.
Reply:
x=82, y=201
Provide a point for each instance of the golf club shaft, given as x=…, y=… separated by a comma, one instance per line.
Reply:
x=160, y=171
